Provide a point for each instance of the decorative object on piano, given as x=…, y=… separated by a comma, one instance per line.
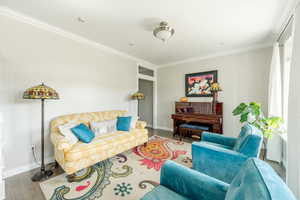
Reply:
x=252, y=113
x=215, y=88
x=184, y=99
x=199, y=84
x=138, y=96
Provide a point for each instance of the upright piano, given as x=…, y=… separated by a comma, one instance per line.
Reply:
x=202, y=113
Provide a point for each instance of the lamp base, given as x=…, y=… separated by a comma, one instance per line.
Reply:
x=41, y=175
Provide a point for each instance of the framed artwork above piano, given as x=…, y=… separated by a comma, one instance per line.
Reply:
x=198, y=113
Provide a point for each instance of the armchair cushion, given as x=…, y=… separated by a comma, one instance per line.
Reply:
x=249, y=141
x=217, y=162
x=163, y=193
x=190, y=183
x=217, y=145
x=218, y=139
x=257, y=180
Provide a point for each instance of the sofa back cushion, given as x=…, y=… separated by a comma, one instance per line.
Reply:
x=104, y=127
x=249, y=141
x=86, y=118
x=257, y=180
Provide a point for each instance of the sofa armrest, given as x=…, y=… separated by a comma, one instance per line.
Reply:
x=219, y=139
x=223, y=164
x=191, y=183
x=140, y=124
x=60, y=141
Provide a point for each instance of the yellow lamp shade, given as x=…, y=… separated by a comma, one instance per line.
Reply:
x=138, y=96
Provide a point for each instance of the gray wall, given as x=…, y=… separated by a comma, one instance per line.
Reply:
x=146, y=105
x=243, y=77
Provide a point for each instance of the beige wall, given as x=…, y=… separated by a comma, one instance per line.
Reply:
x=86, y=78
x=243, y=77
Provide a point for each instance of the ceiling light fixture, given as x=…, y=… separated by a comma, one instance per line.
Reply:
x=163, y=31
x=81, y=20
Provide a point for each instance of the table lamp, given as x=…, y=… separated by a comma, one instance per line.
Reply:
x=215, y=88
x=41, y=92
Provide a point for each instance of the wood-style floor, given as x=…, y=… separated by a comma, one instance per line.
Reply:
x=20, y=187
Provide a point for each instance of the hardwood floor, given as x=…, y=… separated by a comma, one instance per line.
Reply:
x=20, y=187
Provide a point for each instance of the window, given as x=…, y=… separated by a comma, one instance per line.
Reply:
x=146, y=71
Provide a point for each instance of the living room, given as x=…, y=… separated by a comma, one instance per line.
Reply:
x=138, y=66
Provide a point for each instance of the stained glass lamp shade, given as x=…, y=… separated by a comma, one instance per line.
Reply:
x=138, y=96
x=41, y=92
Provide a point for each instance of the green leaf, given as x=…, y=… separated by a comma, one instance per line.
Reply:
x=255, y=108
x=244, y=117
x=240, y=109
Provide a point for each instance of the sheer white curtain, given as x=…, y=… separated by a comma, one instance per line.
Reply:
x=274, y=145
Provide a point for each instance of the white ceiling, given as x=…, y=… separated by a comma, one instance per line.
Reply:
x=202, y=27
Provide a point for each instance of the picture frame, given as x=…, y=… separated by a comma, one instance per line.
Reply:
x=199, y=84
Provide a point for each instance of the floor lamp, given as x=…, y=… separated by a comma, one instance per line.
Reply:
x=41, y=92
x=138, y=96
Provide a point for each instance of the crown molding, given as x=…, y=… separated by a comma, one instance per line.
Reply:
x=220, y=54
x=7, y=12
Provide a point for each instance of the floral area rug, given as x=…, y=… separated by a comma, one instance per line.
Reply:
x=127, y=176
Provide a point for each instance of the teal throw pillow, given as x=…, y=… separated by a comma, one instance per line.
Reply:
x=123, y=123
x=83, y=133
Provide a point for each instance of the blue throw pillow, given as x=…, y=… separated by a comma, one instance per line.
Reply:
x=123, y=123
x=83, y=133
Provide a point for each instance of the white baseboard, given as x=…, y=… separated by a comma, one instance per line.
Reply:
x=25, y=168
x=164, y=128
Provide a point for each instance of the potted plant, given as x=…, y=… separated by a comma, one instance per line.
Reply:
x=252, y=113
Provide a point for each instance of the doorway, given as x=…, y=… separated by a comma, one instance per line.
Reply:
x=145, y=106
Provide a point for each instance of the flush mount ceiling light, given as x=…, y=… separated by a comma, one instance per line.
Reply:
x=163, y=31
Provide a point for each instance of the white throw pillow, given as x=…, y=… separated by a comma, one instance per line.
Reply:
x=134, y=119
x=66, y=131
x=111, y=126
x=99, y=128
x=104, y=127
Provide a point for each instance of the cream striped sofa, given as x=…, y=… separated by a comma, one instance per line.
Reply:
x=82, y=155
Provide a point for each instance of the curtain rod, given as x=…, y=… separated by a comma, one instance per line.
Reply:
x=285, y=27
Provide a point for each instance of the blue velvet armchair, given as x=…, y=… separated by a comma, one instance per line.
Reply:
x=255, y=181
x=222, y=157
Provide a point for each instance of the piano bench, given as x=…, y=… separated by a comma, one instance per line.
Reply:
x=190, y=130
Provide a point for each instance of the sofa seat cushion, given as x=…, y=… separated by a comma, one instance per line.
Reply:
x=217, y=145
x=161, y=192
x=106, y=145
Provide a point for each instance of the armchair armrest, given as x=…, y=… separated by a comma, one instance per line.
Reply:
x=191, y=183
x=219, y=139
x=140, y=124
x=60, y=141
x=220, y=163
